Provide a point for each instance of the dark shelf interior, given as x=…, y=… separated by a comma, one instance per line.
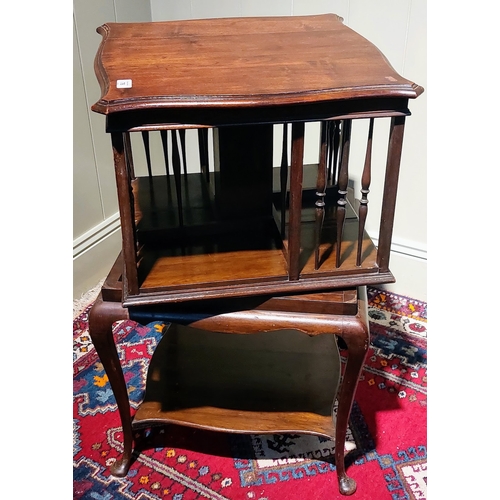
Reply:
x=285, y=380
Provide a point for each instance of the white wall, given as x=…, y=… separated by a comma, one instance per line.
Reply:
x=397, y=27
x=96, y=235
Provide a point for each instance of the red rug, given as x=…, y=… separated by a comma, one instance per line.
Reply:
x=388, y=431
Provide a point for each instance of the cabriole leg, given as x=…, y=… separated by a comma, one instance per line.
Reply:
x=101, y=318
x=357, y=339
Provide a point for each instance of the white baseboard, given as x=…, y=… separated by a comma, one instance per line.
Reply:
x=94, y=253
x=411, y=276
x=95, y=235
x=408, y=264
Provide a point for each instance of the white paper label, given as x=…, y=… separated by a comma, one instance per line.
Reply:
x=123, y=84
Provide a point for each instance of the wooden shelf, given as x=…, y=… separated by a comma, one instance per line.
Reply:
x=274, y=382
x=211, y=256
x=213, y=264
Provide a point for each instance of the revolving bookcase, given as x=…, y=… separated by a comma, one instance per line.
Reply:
x=241, y=258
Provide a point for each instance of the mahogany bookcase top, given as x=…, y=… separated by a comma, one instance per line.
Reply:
x=240, y=63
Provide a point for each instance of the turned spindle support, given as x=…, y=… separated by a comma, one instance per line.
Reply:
x=182, y=137
x=342, y=186
x=320, y=193
x=365, y=189
x=284, y=178
x=176, y=167
x=147, y=151
x=164, y=143
x=203, y=151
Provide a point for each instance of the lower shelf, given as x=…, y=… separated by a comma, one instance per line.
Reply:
x=273, y=382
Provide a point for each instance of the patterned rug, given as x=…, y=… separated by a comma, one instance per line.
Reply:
x=387, y=432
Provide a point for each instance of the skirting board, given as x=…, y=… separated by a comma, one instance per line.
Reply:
x=411, y=276
x=408, y=264
x=95, y=252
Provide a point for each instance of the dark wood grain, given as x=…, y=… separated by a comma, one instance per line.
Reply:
x=212, y=257
x=257, y=281
x=243, y=170
x=127, y=217
x=284, y=179
x=390, y=191
x=320, y=191
x=274, y=382
x=147, y=151
x=203, y=152
x=342, y=187
x=337, y=302
x=176, y=167
x=240, y=62
x=296, y=175
x=101, y=318
x=365, y=189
